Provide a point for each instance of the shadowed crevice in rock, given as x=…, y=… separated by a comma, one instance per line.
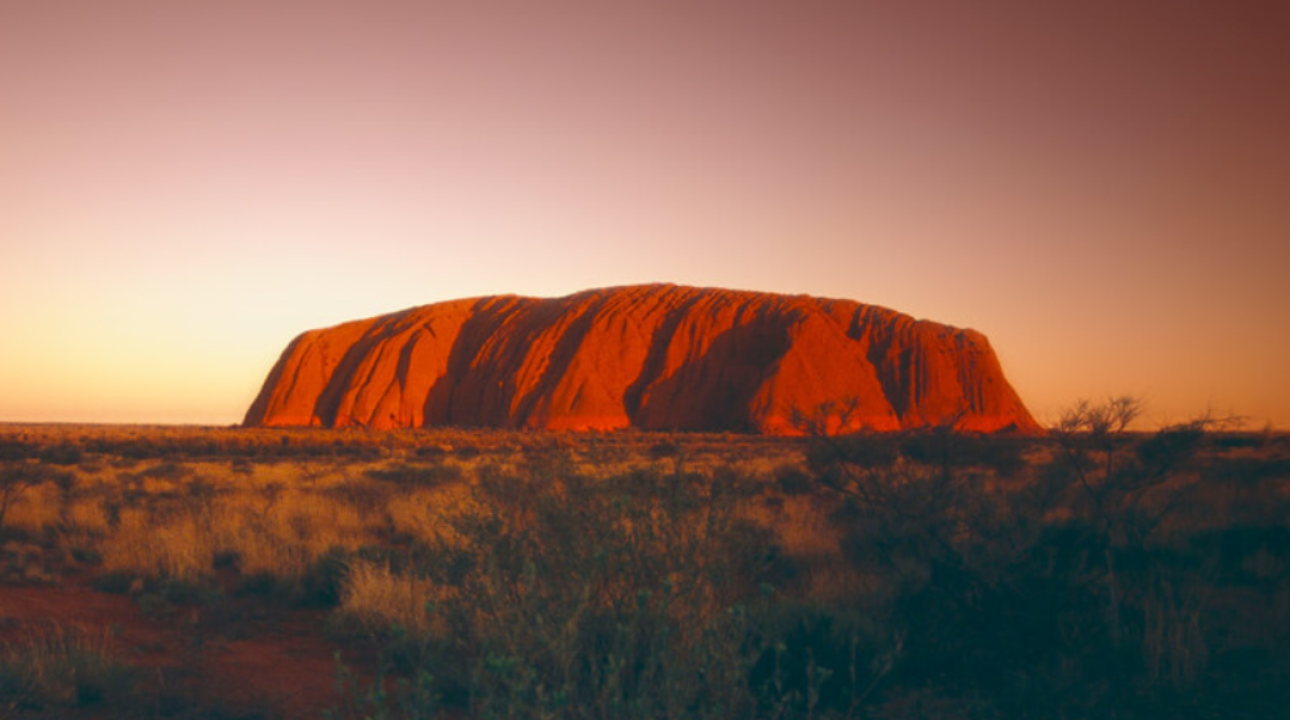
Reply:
x=579, y=318
x=659, y=343
x=716, y=389
x=460, y=396
x=343, y=379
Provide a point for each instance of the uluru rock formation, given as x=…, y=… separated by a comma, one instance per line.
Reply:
x=655, y=357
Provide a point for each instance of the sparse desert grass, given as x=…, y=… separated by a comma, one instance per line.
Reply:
x=275, y=532
x=63, y=668
x=1094, y=573
x=377, y=601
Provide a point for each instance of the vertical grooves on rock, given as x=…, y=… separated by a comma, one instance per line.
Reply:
x=654, y=356
x=660, y=344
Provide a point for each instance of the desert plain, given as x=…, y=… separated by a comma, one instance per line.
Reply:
x=228, y=572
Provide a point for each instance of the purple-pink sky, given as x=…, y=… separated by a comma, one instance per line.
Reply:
x=1103, y=188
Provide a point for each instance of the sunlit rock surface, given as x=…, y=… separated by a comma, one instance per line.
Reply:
x=655, y=357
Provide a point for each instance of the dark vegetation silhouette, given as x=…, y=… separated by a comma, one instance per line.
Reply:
x=1095, y=572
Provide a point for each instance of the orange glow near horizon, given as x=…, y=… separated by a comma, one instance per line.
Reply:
x=1101, y=189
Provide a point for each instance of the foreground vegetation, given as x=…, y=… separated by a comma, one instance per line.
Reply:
x=1093, y=573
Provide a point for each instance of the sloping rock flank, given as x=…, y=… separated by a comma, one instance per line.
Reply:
x=655, y=357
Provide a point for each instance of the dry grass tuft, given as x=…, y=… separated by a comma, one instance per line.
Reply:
x=63, y=668
x=377, y=600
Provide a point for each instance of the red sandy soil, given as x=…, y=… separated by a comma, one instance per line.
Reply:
x=274, y=660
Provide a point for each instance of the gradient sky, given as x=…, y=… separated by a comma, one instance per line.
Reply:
x=1103, y=188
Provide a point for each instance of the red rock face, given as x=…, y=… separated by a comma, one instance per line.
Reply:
x=657, y=357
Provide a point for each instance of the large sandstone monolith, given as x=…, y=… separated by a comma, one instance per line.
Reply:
x=655, y=357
